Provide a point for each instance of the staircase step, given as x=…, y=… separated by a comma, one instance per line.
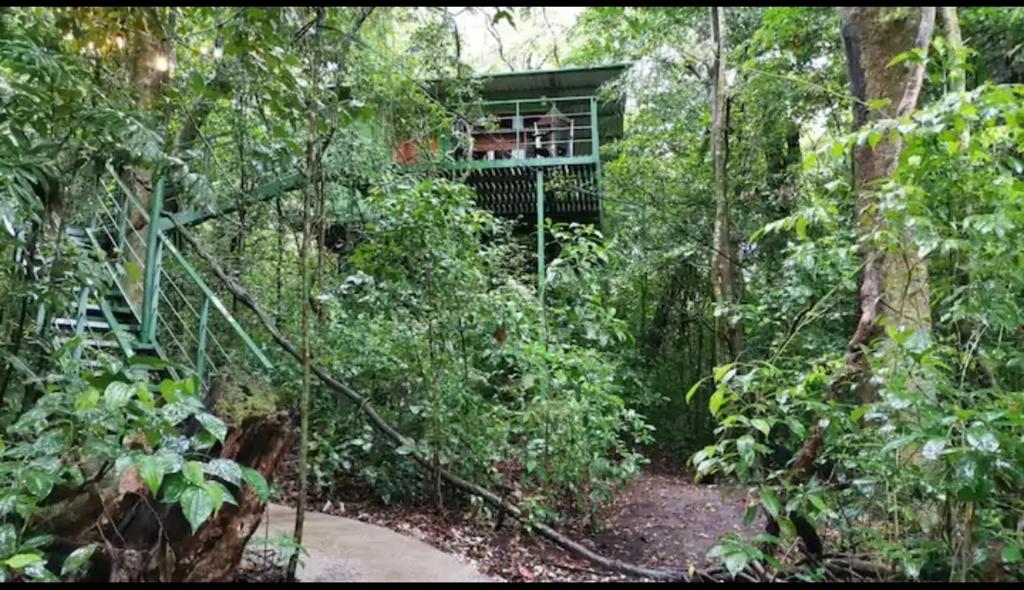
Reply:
x=117, y=310
x=90, y=342
x=72, y=324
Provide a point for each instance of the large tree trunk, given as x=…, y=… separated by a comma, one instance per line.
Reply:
x=894, y=283
x=725, y=277
x=151, y=60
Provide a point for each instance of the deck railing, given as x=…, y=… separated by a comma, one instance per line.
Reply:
x=528, y=132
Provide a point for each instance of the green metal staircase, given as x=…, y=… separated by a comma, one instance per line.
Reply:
x=178, y=318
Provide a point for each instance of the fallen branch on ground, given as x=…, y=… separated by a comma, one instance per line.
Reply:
x=391, y=432
x=366, y=406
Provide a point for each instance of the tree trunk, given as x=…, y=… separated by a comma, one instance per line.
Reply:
x=143, y=540
x=894, y=283
x=724, y=271
x=150, y=62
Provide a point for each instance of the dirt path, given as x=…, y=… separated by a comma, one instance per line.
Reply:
x=659, y=520
x=668, y=521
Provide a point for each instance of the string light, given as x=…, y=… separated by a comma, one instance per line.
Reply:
x=161, y=63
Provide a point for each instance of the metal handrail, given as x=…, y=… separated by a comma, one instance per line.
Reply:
x=157, y=241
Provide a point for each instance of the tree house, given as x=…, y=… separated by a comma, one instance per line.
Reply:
x=530, y=148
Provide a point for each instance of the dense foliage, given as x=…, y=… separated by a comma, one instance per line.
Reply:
x=428, y=305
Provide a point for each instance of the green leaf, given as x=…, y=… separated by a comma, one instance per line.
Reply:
x=193, y=472
x=745, y=447
x=173, y=487
x=225, y=469
x=8, y=539
x=722, y=373
x=169, y=391
x=87, y=400
x=117, y=395
x=693, y=389
x=257, y=482
x=196, y=506
x=151, y=469
x=787, y=526
x=770, y=501
x=38, y=483
x=736, y=561
x=23, y=559
x=1011, y=554
x=716, y=401
x=761, y=424
x=216, y=494
x=77, y=559
x=213, y=425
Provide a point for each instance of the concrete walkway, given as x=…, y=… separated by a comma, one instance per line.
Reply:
x=346, y=550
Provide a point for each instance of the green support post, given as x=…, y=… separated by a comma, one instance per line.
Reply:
x=595, y=147
x=540, y=236
x=150, y=296
x=204, y=318
x=83, y=300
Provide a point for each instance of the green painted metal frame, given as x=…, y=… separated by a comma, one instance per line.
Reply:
x=204, y=319
x=595, y=149
x=150, y=296
x=190, y=270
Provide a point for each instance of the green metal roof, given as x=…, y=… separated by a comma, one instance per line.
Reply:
x=565, y=81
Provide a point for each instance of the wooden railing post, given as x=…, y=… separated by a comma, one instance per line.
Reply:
x=150, y=295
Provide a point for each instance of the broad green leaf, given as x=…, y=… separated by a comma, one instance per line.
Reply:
x=693, y=389
x=133, y=271
x=213, y=425
x=745, y=447
x=38, y=483
x=117, y=395
x=722, y=373
x=151, y=470
x=193, y=472
x=716, y=401
x=1011, y=554
x=196, y=505
x=8, y=539
x=22, y=560
x=77, y=559
x=257, y=482
x=761, y=424
x=736, y=561
x=173, y=487
x=216, y=494
x=770, y=501
x=225, y=469
x=87, y=400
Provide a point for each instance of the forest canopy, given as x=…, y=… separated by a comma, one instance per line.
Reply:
x=234, y=243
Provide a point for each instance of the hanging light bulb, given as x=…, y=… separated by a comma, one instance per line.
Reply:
x=161, y=63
